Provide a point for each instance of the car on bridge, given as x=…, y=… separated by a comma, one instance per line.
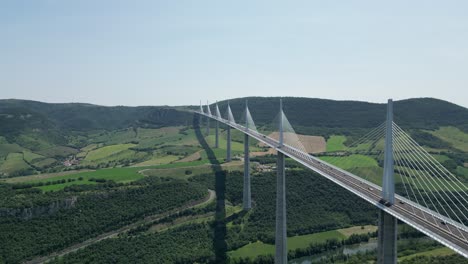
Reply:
x=385, y=202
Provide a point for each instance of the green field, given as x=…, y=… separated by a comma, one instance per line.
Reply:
x=157, y=161
x=336, y=143
x=114, y=137
x=372, y=174
x=13, y=162
x=33, y=142
x=462, y=171
x=235, y=146
x=6, y=149
x=60, y=186
x=351, y=161
x=44, y=162
x=440, y=158
x=259, y=248
x=104, y=152
x=30, y=156
x=357, y=230
x=125, y=174
x=91, y=147
x=186, y=172
x=116, y=174
x=304, y=241
x=61, y=151
x=443, y=251
x=182, y=164
x=457, y=138
x=153, y=133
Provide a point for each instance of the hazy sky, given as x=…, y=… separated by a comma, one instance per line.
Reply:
x=178, y=52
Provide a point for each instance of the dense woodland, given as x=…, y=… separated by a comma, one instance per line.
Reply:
x=94, y=213
x=204, y=239
x=314, y=205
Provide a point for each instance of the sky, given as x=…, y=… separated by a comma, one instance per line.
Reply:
x=180, y=52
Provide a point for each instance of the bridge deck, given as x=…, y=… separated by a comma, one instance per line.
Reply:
x=451, y=234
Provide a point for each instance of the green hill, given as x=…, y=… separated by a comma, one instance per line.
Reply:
x=84, y=117
x=421, y=113
x=55, y=132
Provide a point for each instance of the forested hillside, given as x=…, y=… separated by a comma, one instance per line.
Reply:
x=325, y=115
x=17, y=115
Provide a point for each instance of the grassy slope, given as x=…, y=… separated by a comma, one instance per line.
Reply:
x=157, y=161
x=30, y=156
x=13, y=162
x=125, y=174
x=104, y=152
x=443, y=251
x=115, y=174
x=258, y=248
x=335, y=143
x=457, y=138
x=352, y=161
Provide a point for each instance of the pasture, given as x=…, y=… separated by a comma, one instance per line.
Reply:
x=259, y=248
x=104, y=152
x=336, y=143
x=457, y=138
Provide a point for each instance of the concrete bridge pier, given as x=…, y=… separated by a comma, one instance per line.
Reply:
x=228, y=144
x=217, y=135
x=207, y=126
x=387, y=248
x=281, y=252
x=247, y=202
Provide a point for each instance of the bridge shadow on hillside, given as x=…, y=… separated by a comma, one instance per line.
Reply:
x=219, y=241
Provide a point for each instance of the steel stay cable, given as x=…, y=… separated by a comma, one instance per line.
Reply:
x=435, y=206
x=409, y=165
x=368, y=135
x=375, y=138
x=404, y=185
x=427, y=186
x=420, y=162
x=407, y=168
x=437, y=165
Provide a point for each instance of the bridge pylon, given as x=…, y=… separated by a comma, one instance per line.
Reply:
x=387, y=249
x=228, y=134
x=208, y=111
x=247, y=202
x=281, y=253
x=218, y=115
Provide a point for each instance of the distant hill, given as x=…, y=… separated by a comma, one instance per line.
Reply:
x=423, y=113
x=36, y=136
x=327, y=115
x=18, y=115
x=307, y=115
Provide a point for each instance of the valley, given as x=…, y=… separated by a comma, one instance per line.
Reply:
x=141, y=186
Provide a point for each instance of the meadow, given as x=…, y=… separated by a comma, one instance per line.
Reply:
x=259, y=248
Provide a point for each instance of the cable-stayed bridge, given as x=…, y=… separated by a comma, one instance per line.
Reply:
x=434, y=201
